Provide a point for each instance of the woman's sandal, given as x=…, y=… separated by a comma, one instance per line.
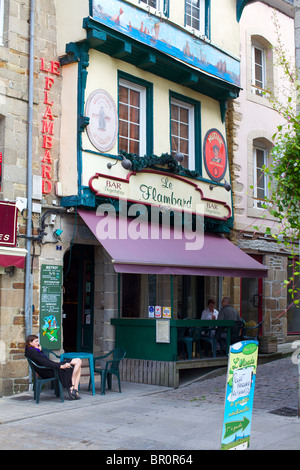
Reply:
x=75, y=394
x=70, y=393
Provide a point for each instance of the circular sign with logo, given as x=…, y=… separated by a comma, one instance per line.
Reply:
x=103, y=126
x=215, y=154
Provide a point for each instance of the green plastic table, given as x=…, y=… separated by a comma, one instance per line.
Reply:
x=82, y=355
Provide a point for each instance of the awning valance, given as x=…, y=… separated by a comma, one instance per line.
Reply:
x=12, y=257
x=138, y=247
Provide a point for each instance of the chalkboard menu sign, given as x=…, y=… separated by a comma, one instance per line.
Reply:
x=50, y=306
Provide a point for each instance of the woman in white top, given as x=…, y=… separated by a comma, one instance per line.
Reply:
x=210, y=313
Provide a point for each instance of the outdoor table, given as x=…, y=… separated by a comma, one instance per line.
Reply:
x=82, y=355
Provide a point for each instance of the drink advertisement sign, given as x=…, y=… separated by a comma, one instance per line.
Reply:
x=240, y=383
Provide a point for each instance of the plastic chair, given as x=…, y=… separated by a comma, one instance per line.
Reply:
x=237, y=331
x=205, y=335
x=111, y=368
x=39, y=382
x=182, y=339
x=47, y=353
x=249, y=331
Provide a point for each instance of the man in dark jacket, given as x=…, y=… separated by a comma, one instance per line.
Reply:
x=227, y=312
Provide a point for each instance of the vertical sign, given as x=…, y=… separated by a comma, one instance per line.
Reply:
x=240, y=383
x=50, y=306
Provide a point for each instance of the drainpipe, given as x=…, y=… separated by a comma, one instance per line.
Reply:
x=28, y=273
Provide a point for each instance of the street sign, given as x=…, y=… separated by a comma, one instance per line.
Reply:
x=50, y=306
x=240, y=383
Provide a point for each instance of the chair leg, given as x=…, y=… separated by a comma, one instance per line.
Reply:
x=119, y=381
x=38, y=391
x=103, y=381
x=109, y=381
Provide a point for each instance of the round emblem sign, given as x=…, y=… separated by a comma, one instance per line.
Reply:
x=103, y=125
x=215, y=155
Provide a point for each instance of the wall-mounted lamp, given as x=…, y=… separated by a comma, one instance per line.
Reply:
x=127, y=164
x=179, y=157
x=10, y=270
x=226, y=185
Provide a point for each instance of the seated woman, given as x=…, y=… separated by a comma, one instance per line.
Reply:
x=69, y=370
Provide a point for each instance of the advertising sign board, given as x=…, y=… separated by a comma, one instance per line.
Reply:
x=240, y=383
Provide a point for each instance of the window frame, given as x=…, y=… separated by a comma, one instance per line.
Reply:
x=255, y=89
x=204, y=18
x=146, y=93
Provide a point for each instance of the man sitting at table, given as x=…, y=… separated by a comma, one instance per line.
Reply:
x=227, y=312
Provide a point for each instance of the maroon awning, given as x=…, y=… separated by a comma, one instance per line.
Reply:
x=12, y=257
x=137, y=246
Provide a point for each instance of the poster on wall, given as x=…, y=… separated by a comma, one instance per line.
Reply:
x=215, y=155
x=240, y=384
x=50, y=306
x=103, y=124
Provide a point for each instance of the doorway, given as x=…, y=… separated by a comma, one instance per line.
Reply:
x=251, y=304
x=78, y=299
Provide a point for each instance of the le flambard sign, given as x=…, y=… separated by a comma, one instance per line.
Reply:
x=156, y=189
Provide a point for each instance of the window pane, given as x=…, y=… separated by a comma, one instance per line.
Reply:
x=184, y=115
x=174, y=112
x=134, y=98
x=260, y=158
x=123, y=112
x=123, y=128
x=134, y=147
x=184, y=146
x=134, y=131
x=184, y=131
x=123, y=94
x=134, y=115
x=123, y=144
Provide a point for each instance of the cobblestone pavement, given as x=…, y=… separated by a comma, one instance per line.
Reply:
x=276, y=387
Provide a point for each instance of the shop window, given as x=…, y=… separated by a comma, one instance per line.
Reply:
x=131, y=295
x=260, y=184
x=183, y=132
x=293, y=313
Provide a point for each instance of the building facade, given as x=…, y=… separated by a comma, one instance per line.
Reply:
x=113, y=127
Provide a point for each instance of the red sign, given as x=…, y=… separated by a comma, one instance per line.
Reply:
x=48, y=124
x=8, y=224
x=215, y=155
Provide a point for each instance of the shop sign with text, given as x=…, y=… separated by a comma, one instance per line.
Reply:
x=8, y=224
x=240, y=384
x=157, y=189
x=52, y=71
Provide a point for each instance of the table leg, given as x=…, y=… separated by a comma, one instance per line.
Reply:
x=91, y=362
